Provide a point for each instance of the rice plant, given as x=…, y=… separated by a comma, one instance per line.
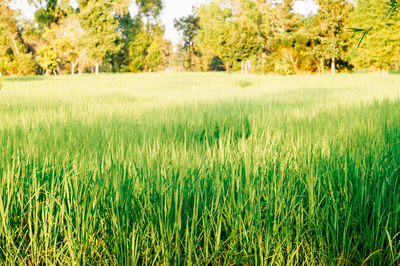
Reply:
x=198, y=169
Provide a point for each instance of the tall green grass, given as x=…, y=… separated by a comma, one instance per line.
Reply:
x=199, y=169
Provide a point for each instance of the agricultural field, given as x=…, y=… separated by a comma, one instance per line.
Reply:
x=204, y=168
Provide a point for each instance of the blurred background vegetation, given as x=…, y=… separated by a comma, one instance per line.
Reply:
x=221, y=35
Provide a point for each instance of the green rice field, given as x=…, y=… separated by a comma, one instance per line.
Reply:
x=200, y=169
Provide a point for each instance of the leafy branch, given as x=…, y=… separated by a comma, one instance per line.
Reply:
x=393, y=9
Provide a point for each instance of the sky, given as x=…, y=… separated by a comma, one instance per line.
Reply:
x=172, y=9
x=176, y=9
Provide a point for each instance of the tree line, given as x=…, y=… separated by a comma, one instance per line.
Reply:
x=95, y=34
x=266, y=36
x=222, y=35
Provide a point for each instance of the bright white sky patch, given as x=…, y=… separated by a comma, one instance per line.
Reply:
x=27, y=11
x=305, y=7
x=176, y=9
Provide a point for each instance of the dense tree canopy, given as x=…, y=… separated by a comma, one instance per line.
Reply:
x=15, y=59
x=381, y=47
x=248, y=35
x=274, y=39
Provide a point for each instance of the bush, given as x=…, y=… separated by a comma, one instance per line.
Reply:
x=217, y=64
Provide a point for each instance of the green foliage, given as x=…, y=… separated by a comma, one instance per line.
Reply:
x=333, y=18
x=287, y=42
x=217, y=64
x=380, y=46
x=246, y=38
x=193, y=168
x=394, y=6
x=245, y=83
x=14, y=58
x=97, y=21
x=94, y=32
x=255, y=35
x=150, y=8
x=53, y=12
x=60, y=44
x=129, y=27
x=243, y=30
x=154, y=55
x=48, y=58
x=216, y=29
x=189, y=27
x=145, y=52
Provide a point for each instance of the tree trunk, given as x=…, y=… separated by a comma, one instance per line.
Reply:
x=97, y=68
x=248, y=66
x=263, y=62
x=16, y=50
x=59, y=71
x=322, y=66
x=191, y=58
x=47, y=72
x=294, y=63
x=333, y=66
x=73, y=66
x=228, y=68
x=82, y=65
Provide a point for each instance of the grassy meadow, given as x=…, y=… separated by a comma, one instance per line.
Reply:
x=200, y=169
